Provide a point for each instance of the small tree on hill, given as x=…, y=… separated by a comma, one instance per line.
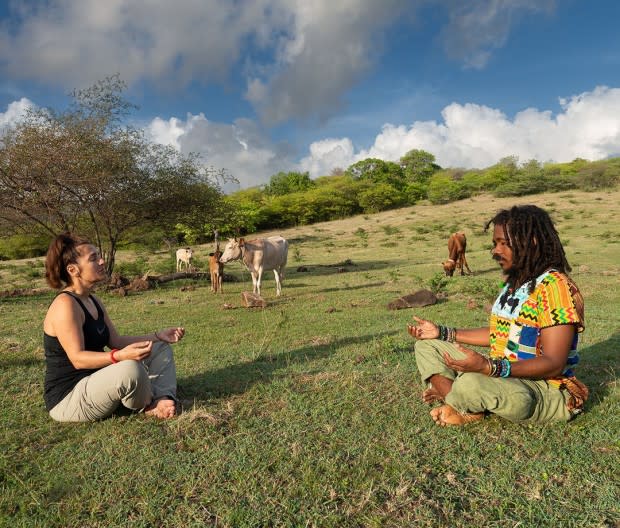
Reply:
x=418, y=166
x=288, y=182
x=83, y=170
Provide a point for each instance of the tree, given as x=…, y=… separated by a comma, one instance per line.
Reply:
x=245, y=212
x=380, y=197
x=83, y=170
x=288, y=182
x=418, y=166
x=377, y=171
x=443, y=188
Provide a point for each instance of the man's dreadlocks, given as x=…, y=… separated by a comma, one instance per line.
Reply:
x=535, y=243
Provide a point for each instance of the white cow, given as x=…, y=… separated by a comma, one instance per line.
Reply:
x=258, y=255
x=184, y=256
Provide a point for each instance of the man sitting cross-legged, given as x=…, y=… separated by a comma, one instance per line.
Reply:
x=532, y=335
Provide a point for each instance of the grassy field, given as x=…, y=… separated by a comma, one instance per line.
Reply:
x=307, y=412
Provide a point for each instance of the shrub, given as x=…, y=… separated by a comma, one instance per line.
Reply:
x=135, y=268
x=380, y=197
x=596, y=176
x=23, y=246
x=438, y=283
x=444, y=189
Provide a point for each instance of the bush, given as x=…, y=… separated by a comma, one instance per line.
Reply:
x=380, y=197
x=23, y=246
x=597, y=176
x=443, y=189
x=135, y=268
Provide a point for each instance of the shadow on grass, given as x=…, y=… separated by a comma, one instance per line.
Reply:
x=17, y=362
x=598, y=369
x=331, y=269
x=347, y=288
x=238, y=378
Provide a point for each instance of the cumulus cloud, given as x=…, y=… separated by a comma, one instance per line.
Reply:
x=476, y=28
x=71, y=42
x=468, y=136
x=299, y=58
x=242, y=148
x=15, y=111
x=476, y=136
x=328, y=49
x=327, y=155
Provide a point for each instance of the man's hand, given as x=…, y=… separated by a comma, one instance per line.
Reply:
x=423, y=330
x=473, y=361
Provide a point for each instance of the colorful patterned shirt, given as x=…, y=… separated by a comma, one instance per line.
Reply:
x=518, y=317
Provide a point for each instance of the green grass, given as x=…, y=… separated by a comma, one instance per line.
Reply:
x=307, y=413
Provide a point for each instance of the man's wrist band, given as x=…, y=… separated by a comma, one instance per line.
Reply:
x=499, y=368
x=447, y=333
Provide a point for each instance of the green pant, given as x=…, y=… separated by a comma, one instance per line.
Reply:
x=133, y=383
x=517, y=400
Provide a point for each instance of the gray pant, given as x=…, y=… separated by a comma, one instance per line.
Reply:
x=517, y=400
x=133, y=383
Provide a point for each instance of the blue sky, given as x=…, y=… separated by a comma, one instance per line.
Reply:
x=262, y=86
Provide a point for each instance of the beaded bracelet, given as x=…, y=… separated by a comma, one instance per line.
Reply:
x=499, y=368
x=507, y=366
x=446, y=333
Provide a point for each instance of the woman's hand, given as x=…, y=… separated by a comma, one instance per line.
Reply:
x=473, y=361
x=138, y=351
x=170, y=335
x=423, y=330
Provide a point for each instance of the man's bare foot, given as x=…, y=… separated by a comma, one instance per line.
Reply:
x=162, y=409
x=446, y=415
x=431, y=395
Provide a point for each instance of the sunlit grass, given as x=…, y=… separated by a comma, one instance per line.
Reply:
x=307, y=413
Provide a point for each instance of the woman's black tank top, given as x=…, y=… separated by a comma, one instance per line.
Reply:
x=60, y=375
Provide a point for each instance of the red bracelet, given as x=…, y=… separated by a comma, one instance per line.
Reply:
x=112, y=358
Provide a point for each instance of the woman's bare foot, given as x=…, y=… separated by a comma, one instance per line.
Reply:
x=446, y=415
x=431, y=395
x=162, y=409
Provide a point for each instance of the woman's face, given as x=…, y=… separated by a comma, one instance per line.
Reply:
x=90, y=264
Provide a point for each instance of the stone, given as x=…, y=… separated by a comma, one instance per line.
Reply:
x=139, y=284
x=413, y=300
x=251, y=300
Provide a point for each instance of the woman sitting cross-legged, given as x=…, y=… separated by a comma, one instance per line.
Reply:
x=83, y=382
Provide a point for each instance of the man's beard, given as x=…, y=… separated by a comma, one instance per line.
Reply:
x=510, y=274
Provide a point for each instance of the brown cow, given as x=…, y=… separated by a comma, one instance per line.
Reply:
x=216, y=268
x=457, y=243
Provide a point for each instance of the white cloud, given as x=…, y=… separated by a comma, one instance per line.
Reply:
x=468, y=136
x=76, y=42
x=15, y=111
x=168, y=132
x=327, y=155
x=475, y=136
x=242, y=148
x=478, y=27
x=300, y=58
x=326, y=50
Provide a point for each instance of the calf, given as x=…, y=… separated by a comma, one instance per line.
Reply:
x=457, y=243
x=184, y=256
x=216, y=269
